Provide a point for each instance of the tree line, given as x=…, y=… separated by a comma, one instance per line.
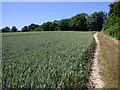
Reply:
x=79, y=22
x=107, y=22
x=112, y=24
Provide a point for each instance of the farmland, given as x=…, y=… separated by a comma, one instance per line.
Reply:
x=46, y=59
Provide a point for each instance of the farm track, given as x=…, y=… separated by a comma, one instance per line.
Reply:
x=105, y=62
x=108, y=60
x=95, y=74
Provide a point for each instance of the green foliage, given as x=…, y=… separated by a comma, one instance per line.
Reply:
x=47, y=26
x=56, y=25
x=25, y=29
x=52, y=27
x=39, y=28
x=46, y=59
x=112, y=24
x=96, y=20
x=14, y=29
x=6, y=29
x=32, y=27
x=78, y=22
x=111, y=21
x=64, y=25
x=115, y=9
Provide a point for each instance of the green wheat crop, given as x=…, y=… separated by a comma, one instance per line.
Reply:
x=46, y=59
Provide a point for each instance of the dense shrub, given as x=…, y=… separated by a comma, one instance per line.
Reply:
x=112, y=26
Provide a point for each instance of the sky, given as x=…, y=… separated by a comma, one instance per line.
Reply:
x=20, y=14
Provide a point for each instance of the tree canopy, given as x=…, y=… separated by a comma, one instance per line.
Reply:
x=78, y=22
x=114, y=9
x=14, y=29
x=64, y=25
x=112, y=25
x=25, y=29
x=6, y=29
x=96, y=21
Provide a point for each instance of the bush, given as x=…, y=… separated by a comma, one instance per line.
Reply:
x=111, y=27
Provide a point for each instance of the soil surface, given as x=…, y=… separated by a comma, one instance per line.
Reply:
x=105, y=62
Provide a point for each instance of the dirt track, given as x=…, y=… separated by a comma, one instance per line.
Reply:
x=95, y=74
x=105, y=62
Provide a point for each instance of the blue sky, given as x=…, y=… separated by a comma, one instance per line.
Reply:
x=20, y=14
